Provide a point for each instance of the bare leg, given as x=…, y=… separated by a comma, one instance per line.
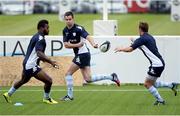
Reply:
x=72, y=69
x=13, y=89
x=18, y=84
x=86, y=73
x=42, y=76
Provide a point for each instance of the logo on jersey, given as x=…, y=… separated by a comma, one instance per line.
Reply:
x=66, y=33
x=78, y=60
x=40, y=37
x=152, y=71
x=74, y=34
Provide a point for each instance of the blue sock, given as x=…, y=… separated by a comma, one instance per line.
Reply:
x=69, y=83
x=162, y=84
x=11, y=91
x=95, y=78
x=46, y=95
x=155, y=93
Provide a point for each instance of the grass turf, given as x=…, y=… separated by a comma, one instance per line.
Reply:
x=160, y=24
x=107, y=100
x=91, y=100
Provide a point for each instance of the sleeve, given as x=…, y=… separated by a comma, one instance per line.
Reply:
x=40, y=45
x=137, y=43
x=64, y=36
x=84, y=33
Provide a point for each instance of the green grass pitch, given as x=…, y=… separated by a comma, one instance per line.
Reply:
x=91, y=100
x=160, y=24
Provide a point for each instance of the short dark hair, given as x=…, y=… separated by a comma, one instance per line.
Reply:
x=42, y=23
x=144, y=26
x=69, y=13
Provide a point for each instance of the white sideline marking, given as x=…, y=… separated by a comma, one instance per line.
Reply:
x=93, y=90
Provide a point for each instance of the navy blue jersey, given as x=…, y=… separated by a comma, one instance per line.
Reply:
x=74, y=35
x=37, y=43
x=147, y=44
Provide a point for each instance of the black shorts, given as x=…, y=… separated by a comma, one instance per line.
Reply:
x=28, y=73
x=155, y=71
x=82, y=60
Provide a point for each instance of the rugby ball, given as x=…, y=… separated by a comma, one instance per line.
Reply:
x=105, y=46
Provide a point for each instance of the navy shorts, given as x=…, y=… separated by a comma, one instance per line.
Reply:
x=155, y=71
x=31, y=72
x=82, y=60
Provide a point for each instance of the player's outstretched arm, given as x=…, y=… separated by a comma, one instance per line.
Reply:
x=91, y=41
x=123, y=49
x=44, y=58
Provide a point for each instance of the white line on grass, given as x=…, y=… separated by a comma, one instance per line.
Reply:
x=92, y=90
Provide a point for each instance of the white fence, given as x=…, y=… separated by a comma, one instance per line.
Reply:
x=131, y=67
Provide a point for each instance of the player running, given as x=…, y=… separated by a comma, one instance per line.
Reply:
x=147, y=44
x=35, y=54
x=74, y=37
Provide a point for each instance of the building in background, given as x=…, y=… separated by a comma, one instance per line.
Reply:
x=137, y=6
x=114, y=6
x=160, y=6
x=12, y=7
x=84, y=6
x=15, y=7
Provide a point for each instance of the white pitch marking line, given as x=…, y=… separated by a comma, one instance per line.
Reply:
x=93, y=90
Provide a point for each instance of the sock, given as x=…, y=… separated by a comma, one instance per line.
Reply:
x=163, y=84
x=69, y=83
x=155, y=93
x=11, y=91
x=46, y=95
x=95, y=78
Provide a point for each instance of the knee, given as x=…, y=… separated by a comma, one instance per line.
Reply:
x=68, y=73
x=50, y=81
x=88, y=80
x=147, y=85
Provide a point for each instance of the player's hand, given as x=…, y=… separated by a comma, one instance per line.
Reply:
x=81, y=43
x=95, y=45
x=118, y=49
x=54, y=64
